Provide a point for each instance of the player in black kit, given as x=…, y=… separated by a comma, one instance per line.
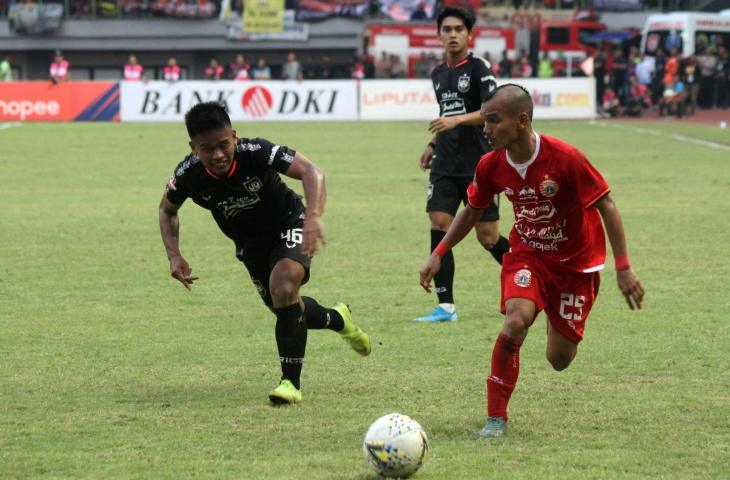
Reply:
x=237, y=179
x=461, y=85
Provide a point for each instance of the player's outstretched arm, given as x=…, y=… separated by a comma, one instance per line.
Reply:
x=460, y=227
x=315, y=195
x=170, y=230
x=628, y=282
x=442, y=124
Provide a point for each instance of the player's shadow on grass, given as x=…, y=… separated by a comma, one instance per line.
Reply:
x=175, y=395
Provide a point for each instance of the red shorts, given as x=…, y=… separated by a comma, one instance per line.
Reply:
x=566, y=295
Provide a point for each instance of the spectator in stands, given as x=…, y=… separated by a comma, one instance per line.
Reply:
x=261, y=71
x=325, y=70
x=645, y=70
x=707, y=62
x=722, y=78
x=505, y=66
x=58, y=71
x=310, y=68
x=419, y=13
x=671, y=67
x=383, y=66
x=357, y=72
x=171, y=72
x=368, y=65
x=599, y=71
x=214, y=71
x=673, y=98
x=523, y=68
x=545, y=68
x=633, y=60
x=133, y=71
x=660, y=59
x=239, y=69
x=397, y=69
x=639, y=98
x=420, y=67
x=689, y=70
x=620, y=66
x=6, y=71
x=292, y=69
x=610, y=103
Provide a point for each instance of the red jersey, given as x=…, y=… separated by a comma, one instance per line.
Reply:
x=552, y=195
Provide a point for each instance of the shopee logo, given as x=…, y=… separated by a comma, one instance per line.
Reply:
x=27, y=108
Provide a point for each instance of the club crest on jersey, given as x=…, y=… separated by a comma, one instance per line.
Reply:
x=253, y=185
x=463, y=84
x=548, y=187
x=523, y=278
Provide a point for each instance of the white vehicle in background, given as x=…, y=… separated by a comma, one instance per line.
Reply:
x=684, y=31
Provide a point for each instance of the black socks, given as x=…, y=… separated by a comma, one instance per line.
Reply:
x=444, y=280
x=291, y=340
x=499, y=249
x=319, y=317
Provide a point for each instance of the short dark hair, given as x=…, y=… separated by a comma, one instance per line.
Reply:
x=461, y=13
x=206, y=117
x=518, y=100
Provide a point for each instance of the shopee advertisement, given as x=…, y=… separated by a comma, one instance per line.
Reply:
x=46, y=101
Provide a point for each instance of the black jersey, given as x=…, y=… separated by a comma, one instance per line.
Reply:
x=251, y=201
x=461, y=89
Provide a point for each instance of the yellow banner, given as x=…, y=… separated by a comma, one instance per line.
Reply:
x=263, y=16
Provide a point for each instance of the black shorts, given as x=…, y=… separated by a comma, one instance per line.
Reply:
x=259, y=255
x=446, y=193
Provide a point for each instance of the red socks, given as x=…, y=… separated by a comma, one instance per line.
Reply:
x=505, y=370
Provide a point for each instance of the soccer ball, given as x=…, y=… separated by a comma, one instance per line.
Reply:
x=395, y=446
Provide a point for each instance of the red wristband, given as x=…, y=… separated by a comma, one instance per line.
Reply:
x=622, y=262
x=441, y=249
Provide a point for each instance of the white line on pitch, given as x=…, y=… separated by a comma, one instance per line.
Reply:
x=674, y=136
x=4, y=126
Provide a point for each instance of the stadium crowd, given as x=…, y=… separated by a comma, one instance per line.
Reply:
x=665, y=83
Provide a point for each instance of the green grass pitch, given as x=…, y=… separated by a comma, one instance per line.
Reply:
x=111, y=369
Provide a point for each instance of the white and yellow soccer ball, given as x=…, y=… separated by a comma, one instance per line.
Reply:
x=395, y=446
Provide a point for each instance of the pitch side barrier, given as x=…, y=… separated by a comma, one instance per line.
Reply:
x=334, y=100
x=554, y=98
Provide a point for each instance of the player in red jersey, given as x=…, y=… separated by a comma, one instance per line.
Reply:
x=557, y=242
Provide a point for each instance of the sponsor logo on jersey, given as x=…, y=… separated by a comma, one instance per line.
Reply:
x=190, y=160
x=232, y=205
x=464, y=83
x=523, y=278
x=253, y=185
x=528, y=193
x=248, y=147
x=541, y=212
x=508, y=191
x=437, y=85
x=452, y=106
x=548, y=187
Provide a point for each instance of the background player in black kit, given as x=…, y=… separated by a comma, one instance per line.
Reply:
x=461, y=85
x=237, y=179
